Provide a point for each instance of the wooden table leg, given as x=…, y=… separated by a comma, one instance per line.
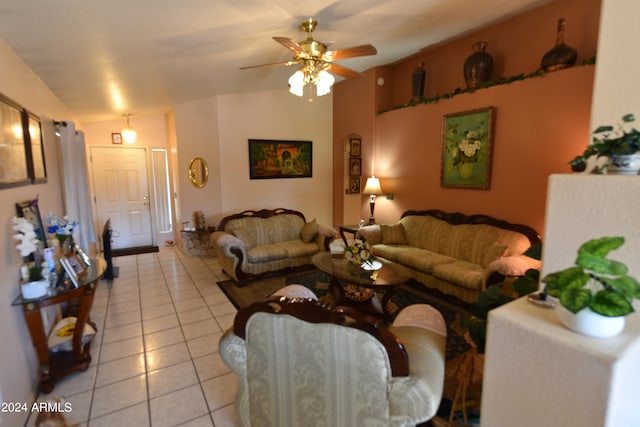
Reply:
x=39, y=338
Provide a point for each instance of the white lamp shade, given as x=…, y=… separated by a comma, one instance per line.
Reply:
x=296, y=83
x=372, y=186
x=325, y=81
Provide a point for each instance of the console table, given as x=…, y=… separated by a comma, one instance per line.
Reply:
x=196, y=242
x=55, y=365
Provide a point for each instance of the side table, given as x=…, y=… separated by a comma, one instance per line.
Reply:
x=196, y=242
x=56, y=365
x=352, y=229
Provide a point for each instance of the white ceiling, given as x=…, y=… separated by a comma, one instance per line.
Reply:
x=104, y=58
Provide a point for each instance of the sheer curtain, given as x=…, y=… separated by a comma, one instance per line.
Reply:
x=77, y=198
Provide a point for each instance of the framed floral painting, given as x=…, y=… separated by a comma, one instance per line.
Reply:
x=467, y=143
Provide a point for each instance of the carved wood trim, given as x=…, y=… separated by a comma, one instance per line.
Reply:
x=314, y=311
x=262, y=213
x=457, y=218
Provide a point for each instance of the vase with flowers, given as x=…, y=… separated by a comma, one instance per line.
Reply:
x=62, y=229
x=34, y=284
x=359, y=253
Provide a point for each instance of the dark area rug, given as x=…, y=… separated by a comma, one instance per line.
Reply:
x=135, y=251
x=318, y=282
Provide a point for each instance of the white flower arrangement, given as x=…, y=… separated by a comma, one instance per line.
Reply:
x=26, y=235
x=28, y=245
x=359, y=253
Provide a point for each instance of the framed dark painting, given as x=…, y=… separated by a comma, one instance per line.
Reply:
x=37, y=168
x=467, y=144
x=280, y=159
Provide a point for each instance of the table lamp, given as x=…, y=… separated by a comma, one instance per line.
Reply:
x=372, y=188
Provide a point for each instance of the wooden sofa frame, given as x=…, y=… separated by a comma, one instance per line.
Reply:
x=262, y=213
x=314, y=311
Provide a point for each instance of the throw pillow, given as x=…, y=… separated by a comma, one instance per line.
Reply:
x=393, y=234
x=492, y=253
x=309, y=231
x=247, y=239
x=514, y=265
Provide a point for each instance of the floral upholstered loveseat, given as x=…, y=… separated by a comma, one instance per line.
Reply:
x=252, y=243
x=456, y=254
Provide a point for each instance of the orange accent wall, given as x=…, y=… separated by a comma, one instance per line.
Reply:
x=540, y=123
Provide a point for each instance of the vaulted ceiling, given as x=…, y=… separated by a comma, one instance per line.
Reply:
x=106, y=58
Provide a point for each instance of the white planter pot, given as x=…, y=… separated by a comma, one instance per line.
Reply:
x=627, y=164
x=589, y=323
x=34, y=289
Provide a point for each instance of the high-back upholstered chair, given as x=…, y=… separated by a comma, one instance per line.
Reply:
x=300, y=362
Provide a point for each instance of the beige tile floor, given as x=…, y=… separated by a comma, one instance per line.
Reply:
x=155, y=356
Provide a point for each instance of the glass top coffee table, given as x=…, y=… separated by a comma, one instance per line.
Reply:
x=353, y=286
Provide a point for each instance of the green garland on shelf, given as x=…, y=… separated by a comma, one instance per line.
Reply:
x=501, y=81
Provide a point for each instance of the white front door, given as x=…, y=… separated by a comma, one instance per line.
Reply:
x=122, y=194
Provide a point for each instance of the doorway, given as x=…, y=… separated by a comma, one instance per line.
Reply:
x=122, y=194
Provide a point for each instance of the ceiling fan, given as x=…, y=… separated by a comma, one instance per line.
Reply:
x=317, y=62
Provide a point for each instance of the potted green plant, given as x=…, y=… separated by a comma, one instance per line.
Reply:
x=596, y=293
x=620, y=144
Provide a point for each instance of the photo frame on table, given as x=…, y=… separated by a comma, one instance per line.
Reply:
x=354, y=185
x=116, y=138
x=467, y=146
x=355, y=166
x=280, y=159
x=74, y=268
x=355, y=145
x=86, y=260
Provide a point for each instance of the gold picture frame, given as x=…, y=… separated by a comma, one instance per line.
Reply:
x=355, y=147
x=74, y=267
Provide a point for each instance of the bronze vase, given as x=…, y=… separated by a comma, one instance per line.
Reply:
x=478, y=66
x=417, y=83
x=561, y=56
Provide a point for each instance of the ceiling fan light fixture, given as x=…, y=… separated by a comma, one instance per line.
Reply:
x=296, y=83
x=129, y=135
x=324, y=82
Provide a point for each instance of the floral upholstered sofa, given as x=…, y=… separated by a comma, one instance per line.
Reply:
x=456, y=254
x=253, y=243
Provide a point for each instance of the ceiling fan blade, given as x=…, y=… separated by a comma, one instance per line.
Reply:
x=350, y=52
x=275, y=64
x=342, y=71
x=289, y=44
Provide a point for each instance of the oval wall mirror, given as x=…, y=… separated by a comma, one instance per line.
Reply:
x=198, y=172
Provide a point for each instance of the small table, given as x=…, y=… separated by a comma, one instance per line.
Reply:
x=196, y=242
x=353, y=229
x=55, y=365
x=351, y=285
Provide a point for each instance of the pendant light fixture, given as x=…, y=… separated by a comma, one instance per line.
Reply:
x=129, y=135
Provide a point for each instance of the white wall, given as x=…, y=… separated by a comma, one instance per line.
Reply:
x=18, y=370
x=616, y=90
x=218, y=129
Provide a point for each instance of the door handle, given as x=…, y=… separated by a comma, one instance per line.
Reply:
x=146, y=199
